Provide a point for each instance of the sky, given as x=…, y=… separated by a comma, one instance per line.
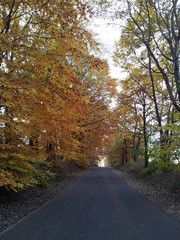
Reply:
x=106, y=35
x=107, y=28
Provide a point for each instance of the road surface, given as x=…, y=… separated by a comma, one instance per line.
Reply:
x=98, y=207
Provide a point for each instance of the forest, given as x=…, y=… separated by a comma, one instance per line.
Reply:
x=56, y=92
x=148, y=105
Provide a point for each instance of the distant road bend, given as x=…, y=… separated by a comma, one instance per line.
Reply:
x=98, y=207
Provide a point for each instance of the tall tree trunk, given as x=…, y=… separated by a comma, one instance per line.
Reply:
x=146, y=157
x=134, y=154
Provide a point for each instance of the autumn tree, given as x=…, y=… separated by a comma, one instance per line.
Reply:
x=155, y=25
x=43, y=100
x=98, y=88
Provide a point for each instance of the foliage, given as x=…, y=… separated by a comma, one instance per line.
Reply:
x=153, y=167
x=52, y=90
x=148, y=105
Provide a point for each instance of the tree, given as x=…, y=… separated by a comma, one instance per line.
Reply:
x=42, y=97
x=155, y=24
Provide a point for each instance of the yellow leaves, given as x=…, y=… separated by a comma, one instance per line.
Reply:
x=111, y=86
x=7, y=180
x=54, y=92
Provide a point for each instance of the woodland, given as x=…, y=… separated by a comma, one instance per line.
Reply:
x=56, y=90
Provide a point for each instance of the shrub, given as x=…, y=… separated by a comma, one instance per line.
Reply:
x=153, y=167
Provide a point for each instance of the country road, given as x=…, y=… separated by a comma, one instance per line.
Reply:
x=98, y=207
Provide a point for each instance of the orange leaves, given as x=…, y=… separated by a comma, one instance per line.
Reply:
x=111, y=86
x=54, y=93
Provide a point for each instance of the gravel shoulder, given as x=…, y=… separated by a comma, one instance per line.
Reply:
x=15, y=206
x=168, y=201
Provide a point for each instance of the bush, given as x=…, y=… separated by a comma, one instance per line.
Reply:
x=164, y=167
x=134, y=167
x=153, y=167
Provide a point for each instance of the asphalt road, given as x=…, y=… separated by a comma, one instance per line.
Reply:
x=98, y=207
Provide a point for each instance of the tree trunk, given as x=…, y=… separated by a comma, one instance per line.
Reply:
x=146, y=157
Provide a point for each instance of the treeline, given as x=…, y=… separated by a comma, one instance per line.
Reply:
x=54, y=93
x=148, y=106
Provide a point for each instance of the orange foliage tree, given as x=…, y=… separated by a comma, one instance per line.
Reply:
x=44, y=102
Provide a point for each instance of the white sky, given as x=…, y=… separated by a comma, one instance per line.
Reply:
x=107, y=34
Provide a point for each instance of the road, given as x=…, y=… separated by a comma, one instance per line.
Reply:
x=98, y=207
